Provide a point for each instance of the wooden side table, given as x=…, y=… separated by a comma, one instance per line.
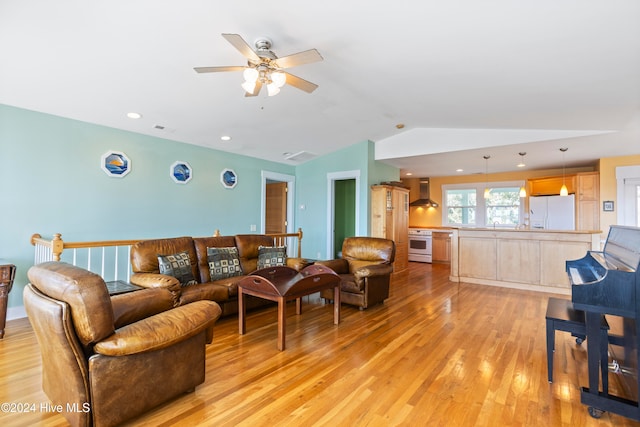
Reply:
x=282, y=284
x=7, y=274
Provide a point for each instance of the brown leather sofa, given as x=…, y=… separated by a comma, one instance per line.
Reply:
x=146, y=268
x=106, y=360
x=365, y=269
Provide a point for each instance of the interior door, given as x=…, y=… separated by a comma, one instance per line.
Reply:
x=276, y=208
x=344, y=213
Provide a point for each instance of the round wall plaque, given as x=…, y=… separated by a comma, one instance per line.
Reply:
x=181, y=172
x=228, y=178
x=115, y=163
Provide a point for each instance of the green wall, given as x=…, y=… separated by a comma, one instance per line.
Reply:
x=51, y=182
x=345, y=224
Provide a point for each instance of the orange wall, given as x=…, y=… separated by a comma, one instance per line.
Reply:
x=608, y=186
x=432, y=217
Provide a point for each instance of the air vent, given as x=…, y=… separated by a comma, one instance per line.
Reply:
x=301, y=156
x=163, y=129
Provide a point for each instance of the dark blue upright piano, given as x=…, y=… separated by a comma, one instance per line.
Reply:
x=606, y=283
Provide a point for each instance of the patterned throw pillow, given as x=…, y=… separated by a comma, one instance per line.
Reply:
x=224, y=262
x=271, y=256
x=179, y=266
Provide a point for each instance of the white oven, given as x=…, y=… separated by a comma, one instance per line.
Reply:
x=419, y=245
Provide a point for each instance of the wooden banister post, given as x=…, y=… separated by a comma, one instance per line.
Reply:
x=57, y=246
x=34, y=237
x=300, y=242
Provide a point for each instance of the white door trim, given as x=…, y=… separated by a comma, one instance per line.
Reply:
x=624, y=208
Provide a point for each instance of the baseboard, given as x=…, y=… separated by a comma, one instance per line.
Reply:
x=16, y=313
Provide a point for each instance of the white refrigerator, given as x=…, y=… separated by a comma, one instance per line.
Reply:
x=553, y=212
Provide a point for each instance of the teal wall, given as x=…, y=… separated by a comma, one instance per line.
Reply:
x=312, y=191
x=51, y=182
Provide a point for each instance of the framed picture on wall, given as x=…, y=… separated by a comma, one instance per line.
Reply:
x=607, y=206
x=181, y=172
x=228, y=178
x=115, y=164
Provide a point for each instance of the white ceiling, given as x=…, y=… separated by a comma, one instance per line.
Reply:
x=467, y=78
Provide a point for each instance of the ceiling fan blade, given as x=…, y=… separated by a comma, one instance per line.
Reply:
x=218, y=69
x=239, y=43
x=256, y=91
x=301, y=84
x=300, y=58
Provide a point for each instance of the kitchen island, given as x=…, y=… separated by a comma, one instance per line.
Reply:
x=521, y=259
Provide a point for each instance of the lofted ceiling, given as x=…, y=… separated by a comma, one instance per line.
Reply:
x=465, y=78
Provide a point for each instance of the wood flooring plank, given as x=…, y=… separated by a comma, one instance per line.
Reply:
x=435, y=353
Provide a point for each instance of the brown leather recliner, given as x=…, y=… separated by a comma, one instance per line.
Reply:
x=365, y=269
x=106, y=360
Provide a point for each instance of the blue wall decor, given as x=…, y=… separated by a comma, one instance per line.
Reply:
x=181, y=172
x=115, y=163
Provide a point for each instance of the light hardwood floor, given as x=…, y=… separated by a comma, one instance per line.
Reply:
x=436, y=353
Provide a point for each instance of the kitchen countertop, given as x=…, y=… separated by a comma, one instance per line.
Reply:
x=435, y=228
x=529, y=230
x=512, y=230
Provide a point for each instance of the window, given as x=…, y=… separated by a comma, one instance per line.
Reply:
x=503, y=206
x=466, y=206
x=461, y=206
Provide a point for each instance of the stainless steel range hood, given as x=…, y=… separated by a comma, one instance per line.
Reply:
x=425, y=197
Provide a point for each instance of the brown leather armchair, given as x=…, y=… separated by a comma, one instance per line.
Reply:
x=365, y=269
x=106, y=360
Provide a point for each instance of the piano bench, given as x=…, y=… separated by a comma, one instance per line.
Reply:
x=561, y=316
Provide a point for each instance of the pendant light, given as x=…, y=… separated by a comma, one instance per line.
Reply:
x=523, y=191
x=487, y=190
x=563, y=189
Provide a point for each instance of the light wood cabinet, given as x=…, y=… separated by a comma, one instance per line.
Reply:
x=588, y=201
x=518, y=261
x=551, y=185
x=441, y=246
x=522, y=259
x=390, y=220
x=478, y=257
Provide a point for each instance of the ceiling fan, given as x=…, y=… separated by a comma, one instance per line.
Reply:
x=264, y=68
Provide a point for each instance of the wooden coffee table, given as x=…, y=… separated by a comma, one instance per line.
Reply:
x=282, y=284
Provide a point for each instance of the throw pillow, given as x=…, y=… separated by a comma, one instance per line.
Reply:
x=179, y=266
x=223, y=262
x=271, y=256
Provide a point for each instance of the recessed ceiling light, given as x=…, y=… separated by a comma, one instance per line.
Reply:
x=134, y=115
x=225, y=138
x=408, y=174
x=459, y=170
x=400, y=125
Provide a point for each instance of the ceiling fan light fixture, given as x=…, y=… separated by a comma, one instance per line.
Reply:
x=249, y=87
x=278, y=78
x=265, y=68
x=272, y=89
x=250, y=75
